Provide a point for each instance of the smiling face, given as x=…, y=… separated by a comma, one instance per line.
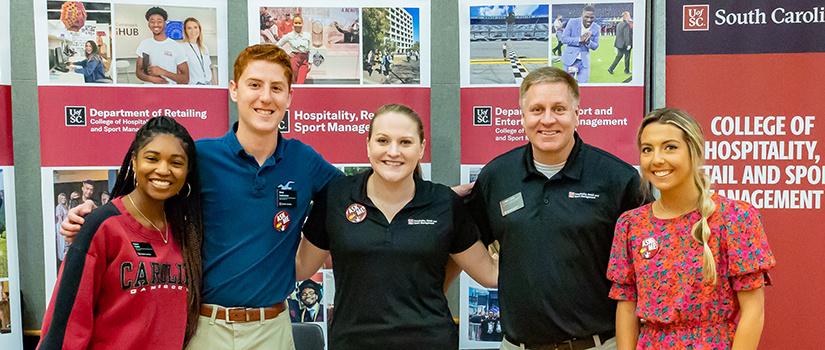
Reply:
x=193, y=31
x=550, y=115
x=395, y=147
x=156, y=24
x=61, y=199
x=89, y=48
x=308, y=297
x=665, y=159
x=263, y=94
x=160, y=168
x=298, y=24
x=88, y=190
x=587, y=18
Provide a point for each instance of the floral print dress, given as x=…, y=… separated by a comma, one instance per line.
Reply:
x=658, y=263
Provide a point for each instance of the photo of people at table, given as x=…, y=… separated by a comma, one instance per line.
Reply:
x=147, y=44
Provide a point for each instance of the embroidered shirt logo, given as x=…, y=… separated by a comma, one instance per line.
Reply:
x=649, y=248
x=421, y=222
x=286, y=186
x=584, y=195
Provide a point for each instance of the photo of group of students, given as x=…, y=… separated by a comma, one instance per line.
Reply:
x=582, y=244
x=147, y=44
x=72, y=188
x=325, y=44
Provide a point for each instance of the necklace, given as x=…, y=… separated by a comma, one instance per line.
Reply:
x=670, y=214
x=166, y=238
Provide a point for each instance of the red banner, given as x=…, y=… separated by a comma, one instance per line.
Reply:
x=93, y=126
x=491, y=121
x=6, y=142
x=335, y=121
x=762, y=121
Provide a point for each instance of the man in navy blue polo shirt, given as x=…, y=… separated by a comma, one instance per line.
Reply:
x=552, y=205
x=256, y=188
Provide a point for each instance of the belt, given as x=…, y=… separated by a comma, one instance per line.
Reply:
x=570, y=344
x=243, y=314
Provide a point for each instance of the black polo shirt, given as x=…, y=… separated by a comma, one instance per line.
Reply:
x=555, y=239
x=389, y=276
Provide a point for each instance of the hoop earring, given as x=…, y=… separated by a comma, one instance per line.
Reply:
x=189, y=187
x=134, y=177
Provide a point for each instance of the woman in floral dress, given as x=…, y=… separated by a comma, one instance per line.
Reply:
x=686, y=265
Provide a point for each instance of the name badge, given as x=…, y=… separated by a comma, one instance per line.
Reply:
x=144, y=249
x=511, y=204
x=287, y=198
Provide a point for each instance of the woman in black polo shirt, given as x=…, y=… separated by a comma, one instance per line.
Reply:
x=391, y=234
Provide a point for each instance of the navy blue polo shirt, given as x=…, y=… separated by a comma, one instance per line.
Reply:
x=247, y=261
x=389, y=276
x=555, y=237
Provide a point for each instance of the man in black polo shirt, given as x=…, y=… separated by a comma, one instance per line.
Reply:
x=552, y=205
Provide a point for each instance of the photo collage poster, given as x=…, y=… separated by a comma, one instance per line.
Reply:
x=11, y=330
x=502, y=42
x=348, y=59
x=103, y=69
x=750, y=73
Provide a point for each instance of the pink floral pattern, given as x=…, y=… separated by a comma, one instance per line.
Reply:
x=679, y=309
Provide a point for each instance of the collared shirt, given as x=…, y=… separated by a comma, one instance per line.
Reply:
x=247, y=261
x=389, y=276
x=298, y=42
x=555, y=239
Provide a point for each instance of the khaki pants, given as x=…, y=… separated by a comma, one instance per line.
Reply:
x=213, y=333
x=610, y=344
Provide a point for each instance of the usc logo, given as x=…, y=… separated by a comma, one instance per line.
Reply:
x=695, y=17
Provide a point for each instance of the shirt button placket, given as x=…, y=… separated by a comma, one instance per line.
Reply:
x=388, y=234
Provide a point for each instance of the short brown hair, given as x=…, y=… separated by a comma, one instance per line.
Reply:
x=264, y=52
x=548, y=75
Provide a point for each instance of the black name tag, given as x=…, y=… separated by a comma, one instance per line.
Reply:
x=287, y=198
x=144, y=249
